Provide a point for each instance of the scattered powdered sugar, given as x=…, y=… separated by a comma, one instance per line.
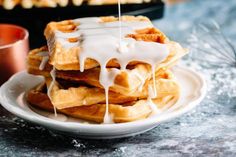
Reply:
x=221, y=81
x=122, y=149
x=78, y=144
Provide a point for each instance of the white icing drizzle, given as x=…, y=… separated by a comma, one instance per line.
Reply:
x=107, y=119
x=50, y=42
x=84, y=102
x=141, y=79
x=106, y=79
x=151, y=94
x=101, y=42
x=43, y=53
x=154, y=81
x=53, y=75
x=45, y=59
x=43, y=62
x=59, y=117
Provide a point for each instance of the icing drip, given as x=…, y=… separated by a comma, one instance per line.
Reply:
x=102, y=42
x=106, y=79
x=142, y=81
x=151, y=94
x=107, y=117
x=84, y=102
x=53, y=75
x=45, y=59
x=50, y=40
x=42, y=53
x=59, y=117
x=154, y=82
x=43, y=62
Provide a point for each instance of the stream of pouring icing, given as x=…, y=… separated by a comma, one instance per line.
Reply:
x=119, y=18
x=101, y=41
x=107, y=117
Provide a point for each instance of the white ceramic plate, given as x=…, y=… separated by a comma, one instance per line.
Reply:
x=193, y=90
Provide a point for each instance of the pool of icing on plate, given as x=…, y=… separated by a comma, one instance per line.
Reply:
x=104, y=41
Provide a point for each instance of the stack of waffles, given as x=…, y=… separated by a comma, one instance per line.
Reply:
x=98, y=71
x=10, y=4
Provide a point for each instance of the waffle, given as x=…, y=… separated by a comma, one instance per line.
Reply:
x=67, y=59
x=82, y=95
x=121, y=91
x=125, y=80
x=125, y=112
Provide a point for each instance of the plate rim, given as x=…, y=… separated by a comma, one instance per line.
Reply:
x=75, y=125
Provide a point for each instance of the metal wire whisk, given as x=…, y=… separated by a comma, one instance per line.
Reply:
x=209, y=45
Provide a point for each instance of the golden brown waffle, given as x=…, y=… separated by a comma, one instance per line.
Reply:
x=125, y=82
x=82, y=95
x=126, y=112
x=67, y=58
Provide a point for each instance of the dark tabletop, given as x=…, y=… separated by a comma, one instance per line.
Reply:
x=208, y=130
